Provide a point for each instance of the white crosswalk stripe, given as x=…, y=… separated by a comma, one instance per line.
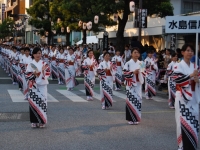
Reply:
x=72, y=96
x=96, y=95
x=17, y=96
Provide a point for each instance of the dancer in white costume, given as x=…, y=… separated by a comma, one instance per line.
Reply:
x=134, y=80
x=37, y=74
x=171, y=83
x=117, y=59
x=187, y=100
x=70, y=70
x=150, y=79
x=106, y=75
x=89, y=66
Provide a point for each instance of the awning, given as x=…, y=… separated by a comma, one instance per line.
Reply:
x=10, y=8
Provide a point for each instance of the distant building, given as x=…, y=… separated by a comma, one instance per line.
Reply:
x=2, y=10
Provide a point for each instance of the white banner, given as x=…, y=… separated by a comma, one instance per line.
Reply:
x=182, y=24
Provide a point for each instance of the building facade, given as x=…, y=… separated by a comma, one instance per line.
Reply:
x=2, y=10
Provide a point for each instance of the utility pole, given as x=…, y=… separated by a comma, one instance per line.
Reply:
x=140, y=21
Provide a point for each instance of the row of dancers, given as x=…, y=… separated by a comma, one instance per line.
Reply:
x=183, y=82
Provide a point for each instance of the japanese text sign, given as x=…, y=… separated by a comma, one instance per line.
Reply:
x=182, y=24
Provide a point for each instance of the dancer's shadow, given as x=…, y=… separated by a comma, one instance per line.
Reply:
x=91, y=129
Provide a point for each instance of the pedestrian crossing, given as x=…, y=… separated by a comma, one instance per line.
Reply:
x=72, y=96
x=18, y=96
x=77, y=96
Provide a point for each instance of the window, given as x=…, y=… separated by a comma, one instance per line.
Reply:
x=187, y=7
x=190, y=6
x=30, y=2
x=196, y=7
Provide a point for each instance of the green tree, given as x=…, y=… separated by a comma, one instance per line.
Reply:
x=40, y=17
x=160, y=7
x=6, y=28
x=74, y=11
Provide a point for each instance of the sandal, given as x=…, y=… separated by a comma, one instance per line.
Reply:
x=42, y=125
x=33, y=125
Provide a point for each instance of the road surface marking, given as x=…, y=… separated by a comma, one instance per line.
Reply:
x=96, y=95
x=73, y=97
x=147, y=112
x=120, y=95
x=18, y=96
x=50, y=98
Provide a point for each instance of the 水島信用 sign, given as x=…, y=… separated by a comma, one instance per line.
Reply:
x=182, y=24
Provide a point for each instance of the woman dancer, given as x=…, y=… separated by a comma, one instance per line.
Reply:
x=117, y=59
x=134, y=80
x=171, y=83
x=23, y=65
x=20, y=59
x=105, y=71
x=187, y=101
x=78, y=55
x=89, y=66
x=70, y=71
x=37, y=73
x=61, y=58
x=150, y=79
x=54, y=70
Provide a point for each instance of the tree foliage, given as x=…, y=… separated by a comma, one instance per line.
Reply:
x=6, y=28
x=40, y=17
x=160, y=7
x=72, y=11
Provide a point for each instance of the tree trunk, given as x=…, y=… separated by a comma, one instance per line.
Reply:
x=121, y=26
x=68, y=39
x=84, y=37
x=49, y=38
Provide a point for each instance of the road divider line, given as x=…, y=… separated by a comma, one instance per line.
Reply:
x=73, y=97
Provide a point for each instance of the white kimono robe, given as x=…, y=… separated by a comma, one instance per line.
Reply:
x=21, y=78
x=61, y=58
x=38, y=91
x=133, y=90
x=171, y=84
x=70, y=71
x=127, y=55
x=78, y=55
x=100, y=58
x=45, y=54
x=14, y=67
x=106, y=75
x=150, y=79
x=89, y=73
x=53, y=64
x=186, y=106
x=118, y=61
